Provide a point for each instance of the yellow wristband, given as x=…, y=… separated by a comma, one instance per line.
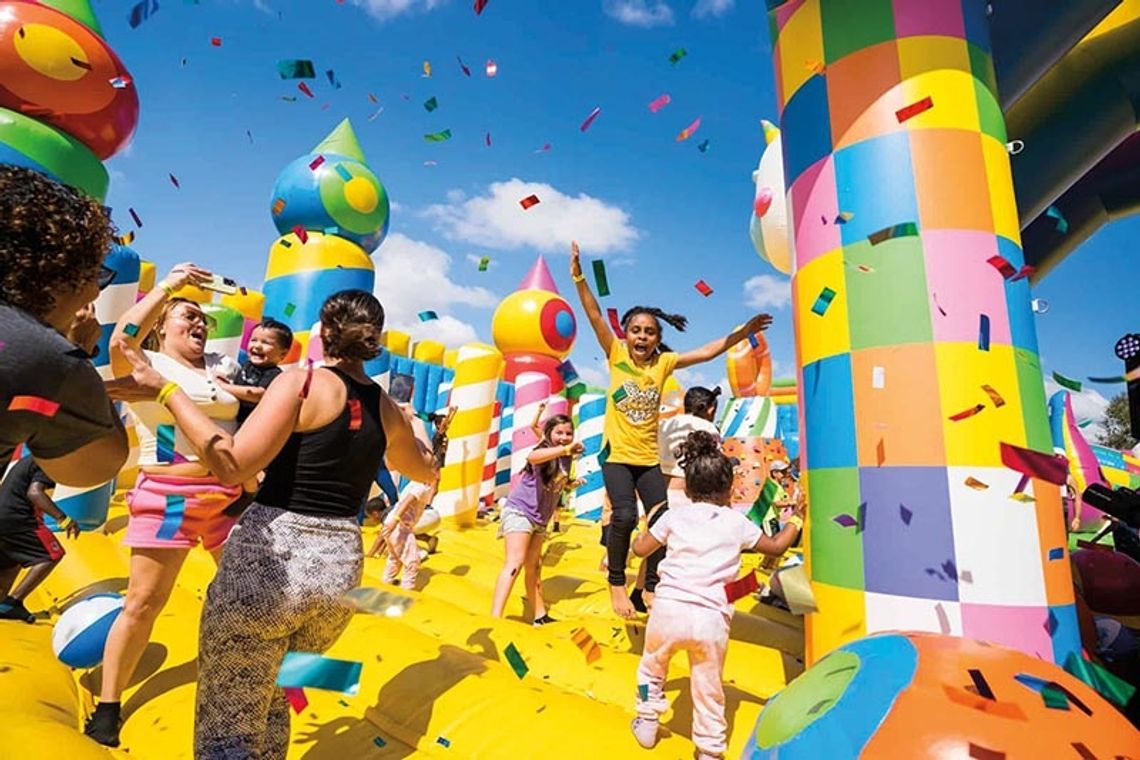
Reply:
x=579, y=278
x=797, y=521
x=65, y=523
x=568, y=450
x=166, y=392
x=166, y=289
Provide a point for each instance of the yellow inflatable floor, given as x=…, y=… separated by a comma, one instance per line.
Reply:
x=435, y=682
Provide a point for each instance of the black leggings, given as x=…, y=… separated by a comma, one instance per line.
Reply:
x=624, y=483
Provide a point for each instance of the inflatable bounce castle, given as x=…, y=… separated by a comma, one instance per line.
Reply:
x=946, y=623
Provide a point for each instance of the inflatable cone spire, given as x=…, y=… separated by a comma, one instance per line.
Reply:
x=538, y=278
x=771, y=131
x=80, y=10
x=342, y=141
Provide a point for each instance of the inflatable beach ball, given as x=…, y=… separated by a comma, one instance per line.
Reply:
x=81, y=631
x=923, y=696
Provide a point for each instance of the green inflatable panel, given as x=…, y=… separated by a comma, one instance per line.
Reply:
x=32, y=144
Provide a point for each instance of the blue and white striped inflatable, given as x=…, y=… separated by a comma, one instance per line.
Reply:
x=81, y=631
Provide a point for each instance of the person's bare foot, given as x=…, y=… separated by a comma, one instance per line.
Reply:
x=619, y=598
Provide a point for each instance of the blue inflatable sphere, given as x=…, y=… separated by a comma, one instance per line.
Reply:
x=81, y=631
x=334, y=194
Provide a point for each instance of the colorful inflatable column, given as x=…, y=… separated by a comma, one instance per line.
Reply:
x=332, y=212
x=589, y=497
x=534, y=327
x=917, y=358
x=114, y=300
x=473, y=394
x=227, y=326
x=748, y=429
x=251, y=305
x=506, y=397
x=491, y=459
x=531, y=390
x=67, y=102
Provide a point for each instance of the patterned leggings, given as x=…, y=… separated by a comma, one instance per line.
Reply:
x=278, y=589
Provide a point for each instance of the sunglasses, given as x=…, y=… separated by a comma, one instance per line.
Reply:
x=105, y=277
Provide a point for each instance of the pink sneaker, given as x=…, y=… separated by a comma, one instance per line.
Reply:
x=645, y=731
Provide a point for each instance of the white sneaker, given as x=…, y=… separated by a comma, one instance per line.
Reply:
x=645, y=731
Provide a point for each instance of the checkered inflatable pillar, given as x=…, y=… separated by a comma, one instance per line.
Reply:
x=899, y=194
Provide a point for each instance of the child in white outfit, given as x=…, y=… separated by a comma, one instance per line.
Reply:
x=399, y=532
x=692, y=611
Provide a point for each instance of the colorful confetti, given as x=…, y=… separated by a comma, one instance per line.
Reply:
x=615, y=323
x=585, y=642
x=659, y=102
x=914, y=109
x=216, y=41
x=431, y=104
x=1067, y=382
x=515, y=660
x=704, y=146
x=463, y=67
x=428, y=316
x=677, y=55
x=305, y=89
x=1062, y=224
x=905, y=514
x=977, y=485
x=703, y=288
x=484, y=262
x=297, y=699
x=741, y=587
x=296, y=68
x=1052, y=468
x=983, y=332
x=34, y=404
x=441, y=136
x=590, y=119
x=967, y=413
x=479, y=6
x=135, y=217
x=529, y=201
x=141, y=12
x=301, y=233
x=301, y=670
x=994, y=396
x=906, y=229
x=690, y=130
x=823, y=301
x=492, y=68
x=427, y=69
x=600, y=278
x=1003, y=266
x=174, y=181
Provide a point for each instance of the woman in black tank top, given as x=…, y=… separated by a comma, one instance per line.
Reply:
x=320, y=436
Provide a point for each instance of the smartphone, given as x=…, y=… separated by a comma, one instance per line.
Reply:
x=219, y=284
x=400, y=387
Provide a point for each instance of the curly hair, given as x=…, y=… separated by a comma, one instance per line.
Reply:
x=677, y=321
x=708, y=472
x=51, y=236
x=351, y=324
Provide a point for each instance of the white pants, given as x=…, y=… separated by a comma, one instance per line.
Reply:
x=703, y=633
x=402, y=552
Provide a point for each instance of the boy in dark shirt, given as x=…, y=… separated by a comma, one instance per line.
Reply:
x=269, y=343
x=24, y=539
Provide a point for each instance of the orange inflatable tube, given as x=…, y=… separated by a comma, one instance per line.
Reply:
x=749, y=367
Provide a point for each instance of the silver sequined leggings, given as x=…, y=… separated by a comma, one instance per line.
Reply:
x=279, y=588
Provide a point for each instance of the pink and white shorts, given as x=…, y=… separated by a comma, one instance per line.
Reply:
x=171, y=512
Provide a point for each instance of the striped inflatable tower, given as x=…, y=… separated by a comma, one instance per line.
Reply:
x=556, y=404
x=226, y=330
x=506, y=398
x=531, y=389
x=588, y=497
x=332, y=212
x=473, y=394
x=491, y=460
x=906, y=336
x=251, y=305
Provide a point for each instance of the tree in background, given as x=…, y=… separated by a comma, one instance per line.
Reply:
x=1115, y=432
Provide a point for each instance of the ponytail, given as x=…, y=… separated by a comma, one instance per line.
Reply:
x=677, y=321
x=708, y=472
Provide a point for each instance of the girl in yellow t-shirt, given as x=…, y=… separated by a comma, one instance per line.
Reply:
x=639, y=367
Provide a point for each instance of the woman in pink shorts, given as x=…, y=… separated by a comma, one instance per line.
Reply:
x=176, y=501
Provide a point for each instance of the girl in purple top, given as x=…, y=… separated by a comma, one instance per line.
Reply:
x=529, y=508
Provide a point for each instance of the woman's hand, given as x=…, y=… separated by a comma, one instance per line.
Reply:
x=759, y=323
x=85, y=330
x=142, y=384
x=186, y=274
x=575, y=260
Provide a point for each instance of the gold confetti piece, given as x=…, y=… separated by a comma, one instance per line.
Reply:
x=976, y=484
x=994, y=396
x=1022, y=497
x=584, y=641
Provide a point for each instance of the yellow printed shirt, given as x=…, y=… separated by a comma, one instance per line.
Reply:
x=634, y=405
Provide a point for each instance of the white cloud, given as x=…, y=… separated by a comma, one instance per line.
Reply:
x=496, y=220
x=386, y=9
x=690, y=378
x=643, y=13
x=765, y=291
x=593, y=374
x=1087, y=405
x=707, y=8
x=412, y=276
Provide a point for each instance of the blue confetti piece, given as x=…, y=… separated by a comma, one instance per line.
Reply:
x=752, y=341
x=443, y=742
x=164, y=443
x=1032, y=682
x=378, y=741
x=172, y=517
x=309, y=670
x=344, y=173
x=643, y=692
x=984, y=333
x=1056, y=552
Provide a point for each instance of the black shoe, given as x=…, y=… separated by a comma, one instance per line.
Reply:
x=637, y=601
x=544, y=620
x=103, y=725
x=14, y=609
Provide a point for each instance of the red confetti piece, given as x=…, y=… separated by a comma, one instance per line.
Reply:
x=590, y=119
x=530, y=200
x=355, y=416
x=1051, y=468
x=492, y=68
x=994, y=396
x=977, y=485
x=615, y=323
x=741, y=587
x=216, y=41
x=690, y=130
x=703, y=288
x=301, y=234
x=479, y=6
x=33, y=404
x=135, y=217
x=297, y=699
x=1001, y=263
x=1024, y=272
x=914, y=109
x=174, y=181
x=305, y=89
x=967, y=413
x=316, y=162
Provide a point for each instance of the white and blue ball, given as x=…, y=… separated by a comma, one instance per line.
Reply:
x=81, y=631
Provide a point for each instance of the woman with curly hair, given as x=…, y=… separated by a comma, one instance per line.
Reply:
x=320, y=436
x=52, y=244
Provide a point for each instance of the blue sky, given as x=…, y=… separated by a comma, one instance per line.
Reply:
x=661, y=212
